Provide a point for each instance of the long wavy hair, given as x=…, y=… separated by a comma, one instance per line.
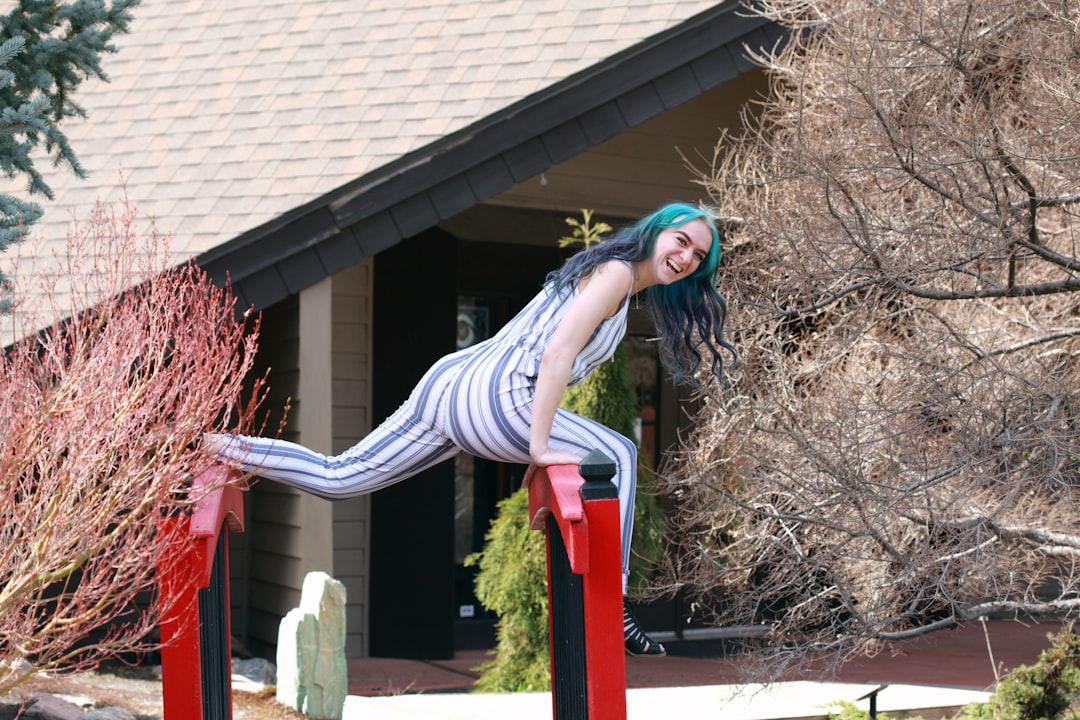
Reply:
x=689, y=314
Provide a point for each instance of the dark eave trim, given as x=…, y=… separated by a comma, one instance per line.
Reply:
x=415, y=192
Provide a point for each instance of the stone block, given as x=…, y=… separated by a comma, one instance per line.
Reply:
x=46, y=706
x=311, y=670
x=110, y=713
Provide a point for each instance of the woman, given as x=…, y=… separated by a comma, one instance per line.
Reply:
x=499, y=399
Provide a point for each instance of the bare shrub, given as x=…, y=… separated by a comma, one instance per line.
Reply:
x=100, y=417
x=898, y=451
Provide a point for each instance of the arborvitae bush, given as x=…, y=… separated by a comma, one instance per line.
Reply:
x=512, y=583
x=1042, y=691
x=608, y=397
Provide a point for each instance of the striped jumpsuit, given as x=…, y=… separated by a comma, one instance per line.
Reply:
x=477, y=400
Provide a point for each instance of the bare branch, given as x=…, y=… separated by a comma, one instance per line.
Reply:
x=100, y=419
x=900, y=449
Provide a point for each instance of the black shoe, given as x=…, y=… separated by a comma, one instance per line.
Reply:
x=636, y=642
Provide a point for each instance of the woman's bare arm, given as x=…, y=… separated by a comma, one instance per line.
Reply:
x=599, y=296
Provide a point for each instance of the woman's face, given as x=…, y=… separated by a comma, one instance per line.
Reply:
x=679, y=251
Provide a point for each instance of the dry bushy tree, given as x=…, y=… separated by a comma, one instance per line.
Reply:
x=100, y=417
x=898, y=451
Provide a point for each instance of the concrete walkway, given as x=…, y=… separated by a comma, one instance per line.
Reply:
x=785, y=700
x=931, y=676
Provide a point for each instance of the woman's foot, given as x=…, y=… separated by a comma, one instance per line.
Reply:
x=635, y=641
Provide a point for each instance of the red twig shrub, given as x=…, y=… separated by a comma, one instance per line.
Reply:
x=100, y=417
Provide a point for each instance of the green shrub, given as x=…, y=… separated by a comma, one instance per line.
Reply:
x=608, y=397
x=512, y=583
x=1042, y=691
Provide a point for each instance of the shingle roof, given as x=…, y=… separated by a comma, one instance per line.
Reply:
x=223, y=117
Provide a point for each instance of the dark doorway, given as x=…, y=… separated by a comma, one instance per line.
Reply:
x=412, y=527
x=434, y=294
x=495, y=281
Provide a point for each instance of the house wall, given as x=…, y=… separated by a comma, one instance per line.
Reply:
x=325, y=380
x=647, y=165
x=351, y=417
x=265, y=555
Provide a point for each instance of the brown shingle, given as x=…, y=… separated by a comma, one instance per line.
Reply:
x=308, y=96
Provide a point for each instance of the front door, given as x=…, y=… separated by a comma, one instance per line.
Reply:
x=412, y=527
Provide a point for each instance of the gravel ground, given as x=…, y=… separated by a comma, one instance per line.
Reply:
x=137, y=690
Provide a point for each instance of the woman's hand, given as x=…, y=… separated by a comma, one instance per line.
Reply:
x=547, y=456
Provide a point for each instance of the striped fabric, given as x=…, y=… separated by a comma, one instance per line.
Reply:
x=477, y=400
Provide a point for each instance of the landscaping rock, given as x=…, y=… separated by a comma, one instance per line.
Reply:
x=258, y=670
x=311, y=668
x=46, y=706
x=109, y=713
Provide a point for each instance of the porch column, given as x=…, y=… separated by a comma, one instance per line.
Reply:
x=314, y=419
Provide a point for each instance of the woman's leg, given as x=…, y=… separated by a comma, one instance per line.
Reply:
x=489, y=413
x=392, y=452
x=581, y=435
x=406, y=443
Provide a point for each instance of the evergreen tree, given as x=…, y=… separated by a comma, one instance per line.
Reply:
x=512, y=583
x=1043, y=691
x=607, y=395
x=47, y=49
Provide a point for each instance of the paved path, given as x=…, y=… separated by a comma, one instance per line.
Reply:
x=942, y=671
x=778, y=701
x=950, y=658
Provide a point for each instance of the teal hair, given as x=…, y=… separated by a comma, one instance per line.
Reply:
x=689, y=314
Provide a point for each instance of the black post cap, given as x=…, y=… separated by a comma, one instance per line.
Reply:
x=597, y=469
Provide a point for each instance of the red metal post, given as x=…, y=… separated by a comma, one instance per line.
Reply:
x=604, y=651
x=589, y=527
x=218, y=509
x=181, y=676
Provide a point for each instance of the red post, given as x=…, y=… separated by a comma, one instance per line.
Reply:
x=581, y=504
x=604, y=651
x=184, y=579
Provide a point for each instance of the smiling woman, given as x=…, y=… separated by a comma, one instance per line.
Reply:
x=679, y=252
x=499, y=398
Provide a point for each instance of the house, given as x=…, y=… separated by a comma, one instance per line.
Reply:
x=382, y=180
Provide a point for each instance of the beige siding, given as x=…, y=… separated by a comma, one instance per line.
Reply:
x=315, y=420
x=351, y=348
x=326, y=378
x=624, y=176
x=266, y=554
